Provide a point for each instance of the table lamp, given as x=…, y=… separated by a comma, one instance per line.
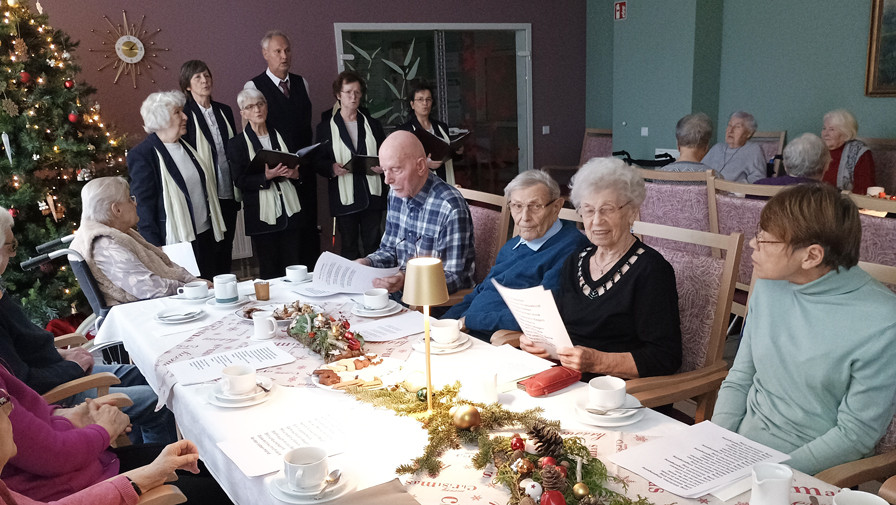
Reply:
x=424, y=285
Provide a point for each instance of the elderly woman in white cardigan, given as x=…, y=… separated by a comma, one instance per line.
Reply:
x=177, y=196
x=127, y=267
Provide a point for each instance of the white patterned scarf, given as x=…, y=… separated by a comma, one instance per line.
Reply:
x=343, y=154
x=179, y=224
x=204, y=148
x=852, y=151
x=269, y=199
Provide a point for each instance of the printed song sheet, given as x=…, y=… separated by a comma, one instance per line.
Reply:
x=262, y=453
x=698, y=460
x=536, y=312
x=337, y=274
x=206, y=368
x=391, y=328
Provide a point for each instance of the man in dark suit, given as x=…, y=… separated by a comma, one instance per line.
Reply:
x=289, y=112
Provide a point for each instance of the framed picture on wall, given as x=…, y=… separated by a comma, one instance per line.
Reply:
x=880, y=74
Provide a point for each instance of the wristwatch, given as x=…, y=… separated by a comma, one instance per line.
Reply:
x=135, y=486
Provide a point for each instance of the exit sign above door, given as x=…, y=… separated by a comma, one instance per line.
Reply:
x=619, y=10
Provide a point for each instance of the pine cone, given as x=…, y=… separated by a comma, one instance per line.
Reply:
x=552, y=479
x=500, y=458
x=590, y=500
x=527, y=500
x=548, y=441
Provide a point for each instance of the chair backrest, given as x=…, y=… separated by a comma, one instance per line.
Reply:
x=730, y=211
x=598, y=143
x=772, y=144
x=678, y=205
x=705, y=289
x=89, y=286
x=878, y=240
x=491, y=224
x=884, y=153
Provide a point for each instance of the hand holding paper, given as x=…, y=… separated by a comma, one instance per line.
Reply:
x=339, y=275
x=536, y=312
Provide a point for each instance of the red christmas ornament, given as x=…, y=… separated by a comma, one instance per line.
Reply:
x=517, y=444
x=563, y=471
x=553, y=497
x=73, y=117
x=545, y=461
x=69, y=84
x=24, y=77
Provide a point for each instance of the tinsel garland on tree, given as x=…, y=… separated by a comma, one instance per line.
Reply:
x=53, y=139
x=444, y=434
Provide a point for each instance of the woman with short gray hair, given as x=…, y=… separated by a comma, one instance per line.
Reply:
x=692, y=133
x=127, y=268
x=177, y=195
x=851, y=167
x=617, y=296
x=805, y=160
x=735, y=159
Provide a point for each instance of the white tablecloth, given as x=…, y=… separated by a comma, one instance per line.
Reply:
x=380, y=440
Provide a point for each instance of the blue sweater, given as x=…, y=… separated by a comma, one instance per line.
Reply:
x=485, y=310
x=814, y=373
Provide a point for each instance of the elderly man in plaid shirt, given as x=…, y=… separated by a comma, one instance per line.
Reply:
x=426, y=217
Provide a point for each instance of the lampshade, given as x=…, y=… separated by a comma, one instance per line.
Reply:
x=424, y=282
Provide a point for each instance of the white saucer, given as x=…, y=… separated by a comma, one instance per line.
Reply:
x=611, y=419
x=228, y=398
x=392, y=307
x=214, y=393
x=461, y=339
x=177, y=315
x=420, y=346
x=184, y=299
x=239, y=301
x=295, y=283
x=309, y=291
x=280, y=490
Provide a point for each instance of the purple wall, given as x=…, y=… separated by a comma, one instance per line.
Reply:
x=226, y=34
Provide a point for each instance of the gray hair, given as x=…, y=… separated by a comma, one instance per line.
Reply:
x=806, y=156
x=607, y=173
x=98, y=195
x=844, y=121
x=248, y=94
x=6, y=221
x=749, y=120
x=271, y=34
x=694, y=130
x=531, y=178
x=156, y=109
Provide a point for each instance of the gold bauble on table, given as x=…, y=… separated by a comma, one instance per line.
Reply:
x=580, y=490
x=465, y=416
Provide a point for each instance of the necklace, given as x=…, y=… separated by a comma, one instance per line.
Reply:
x=725, y=154
x=601, y=267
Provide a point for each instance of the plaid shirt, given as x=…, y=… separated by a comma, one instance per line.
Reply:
x=434, y=222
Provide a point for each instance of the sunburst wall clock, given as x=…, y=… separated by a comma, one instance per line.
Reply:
x=130, y=48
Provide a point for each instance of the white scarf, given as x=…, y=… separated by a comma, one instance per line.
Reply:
x=179, y=225
x=204, y=148
x=269, y=206
x=344, y=155
x=449, y=164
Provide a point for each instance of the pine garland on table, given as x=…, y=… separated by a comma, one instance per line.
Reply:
x=504, y=452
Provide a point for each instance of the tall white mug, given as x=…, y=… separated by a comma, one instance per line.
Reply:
x=265, y=324
x=225, y=288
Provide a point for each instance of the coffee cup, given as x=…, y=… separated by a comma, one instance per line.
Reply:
x=305, y=468
x=262, y=291
x=444, y=331
x=296, y=273
x=606, y=392
x=376, y=299
x=265, y=324
x=850, y=497
x=238, y=380
x=195, y=289
x=874, y=190
x=225, y=288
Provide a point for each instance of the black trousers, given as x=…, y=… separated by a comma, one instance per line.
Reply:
x=199, y=488
x=224, y=248
x=276, y=251
x=204, y=249
x=360, y=232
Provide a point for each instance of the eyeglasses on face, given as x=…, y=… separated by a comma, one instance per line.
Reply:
x=133, y=199
x=517, y=207
x=759, y=240
x=604, y=211
x=423, y=100
x=351, y=93
x=255, y=106
x=13, y=248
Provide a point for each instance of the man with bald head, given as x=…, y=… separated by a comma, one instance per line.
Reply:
x=425, y=217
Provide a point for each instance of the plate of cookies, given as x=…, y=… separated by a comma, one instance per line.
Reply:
x=369, y=371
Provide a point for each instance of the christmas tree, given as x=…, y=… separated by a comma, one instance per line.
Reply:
x=53, y=140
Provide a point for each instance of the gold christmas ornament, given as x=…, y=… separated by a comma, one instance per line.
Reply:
x=580, y=490
x=465, y=416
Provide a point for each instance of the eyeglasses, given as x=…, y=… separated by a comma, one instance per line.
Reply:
x=759, y=241
x=605, y=211
x=351, y=93
x=134, y=199
x=254, y=106
x=423, y=100
x=517, y=207
x=13, y=247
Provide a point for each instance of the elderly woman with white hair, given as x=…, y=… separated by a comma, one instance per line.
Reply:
x=851, y=167
x=736, y=159
x=617, y=296
x=126, y=266
x=177, y=195
x=805, y=160
x=272, y=210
